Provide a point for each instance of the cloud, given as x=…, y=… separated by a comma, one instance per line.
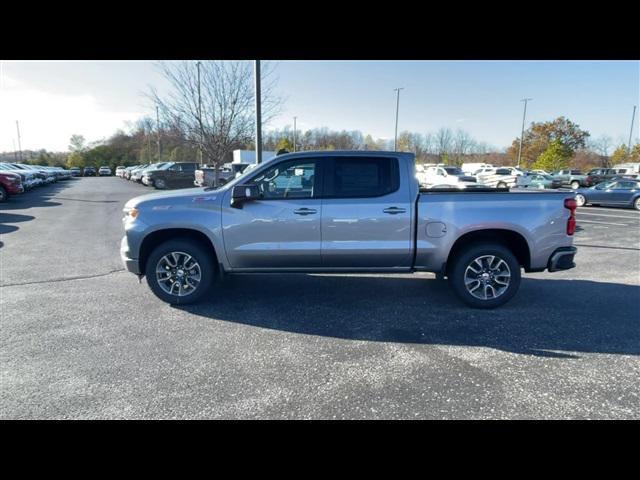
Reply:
x=48, y=120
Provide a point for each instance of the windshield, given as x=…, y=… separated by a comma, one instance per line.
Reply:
x=454, y=171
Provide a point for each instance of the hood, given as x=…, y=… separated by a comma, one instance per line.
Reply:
x=175, y=197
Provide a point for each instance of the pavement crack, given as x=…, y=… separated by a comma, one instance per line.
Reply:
x=67, y=279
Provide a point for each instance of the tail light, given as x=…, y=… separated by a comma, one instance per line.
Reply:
x=571, y=204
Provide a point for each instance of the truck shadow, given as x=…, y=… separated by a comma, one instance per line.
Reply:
x=548, y=318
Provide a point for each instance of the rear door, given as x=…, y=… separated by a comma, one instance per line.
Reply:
x=366, y=213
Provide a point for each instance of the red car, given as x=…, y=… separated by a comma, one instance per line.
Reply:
x=10, y=184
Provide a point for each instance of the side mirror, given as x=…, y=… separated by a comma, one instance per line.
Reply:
x=244, y=193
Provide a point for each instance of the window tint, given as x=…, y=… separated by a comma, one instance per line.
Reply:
x=294, y=179
x=362, y=177
x=627, y=185
x=503, y=171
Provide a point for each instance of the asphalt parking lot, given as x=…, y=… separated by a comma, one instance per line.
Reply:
x=80, y=338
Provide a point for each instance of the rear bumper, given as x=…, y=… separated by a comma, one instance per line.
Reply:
x=562, y=259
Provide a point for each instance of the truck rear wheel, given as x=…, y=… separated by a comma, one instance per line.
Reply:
x=485, y=275
x=180, y=271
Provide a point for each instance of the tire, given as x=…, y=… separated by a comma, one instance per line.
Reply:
x=501, y=185
x=3, y=194
x=162, y=256
x=581, y=200
x=575, y=185
x=636, y=203
x=466, y=263
x=159, y=184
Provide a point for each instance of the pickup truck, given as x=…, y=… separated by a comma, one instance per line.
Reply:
x=205, y=176
x=444, y=175
x=345, y=212
x=572, y=178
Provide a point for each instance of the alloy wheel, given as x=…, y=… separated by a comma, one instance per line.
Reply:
x=178, y=273
x=487, y=277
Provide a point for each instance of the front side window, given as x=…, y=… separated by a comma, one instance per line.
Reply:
x=362, y=177
x=294, y=179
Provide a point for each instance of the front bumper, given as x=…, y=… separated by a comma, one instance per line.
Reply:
x=562, y=259
x=131, y=264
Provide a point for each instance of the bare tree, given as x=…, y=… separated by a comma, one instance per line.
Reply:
x=443, y=140
x=462, y=145
x=221, y=115
x=601, y=146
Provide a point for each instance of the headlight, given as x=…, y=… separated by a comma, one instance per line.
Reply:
x=130, y=212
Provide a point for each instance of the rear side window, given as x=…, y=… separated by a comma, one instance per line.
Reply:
x=362, y=177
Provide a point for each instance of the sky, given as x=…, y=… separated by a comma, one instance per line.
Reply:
x=54, y=100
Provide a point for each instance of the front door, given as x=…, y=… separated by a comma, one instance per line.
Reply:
x=366, y=216
x=282, y=229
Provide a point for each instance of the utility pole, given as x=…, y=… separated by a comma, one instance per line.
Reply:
x=633, y=117
x=19, y=143
x=395, y=143
x=294, y=133
x=15, y=153
x=524, y=114
x=158, y=132
x=256, y=70
x=200, y=115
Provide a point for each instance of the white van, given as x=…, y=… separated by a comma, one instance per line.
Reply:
x=627, y=168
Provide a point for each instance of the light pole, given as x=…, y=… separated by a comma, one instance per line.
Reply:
x=158, y=132
x=256, y=70
x=633, y=117
x=294, y=133
x=200, y=115
x=395, y=143
x=524, y=114
x=19, y=142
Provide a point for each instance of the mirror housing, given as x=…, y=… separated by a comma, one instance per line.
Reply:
x=244, y=193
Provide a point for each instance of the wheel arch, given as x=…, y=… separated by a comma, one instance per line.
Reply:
x=510, y=239
x=151, y=241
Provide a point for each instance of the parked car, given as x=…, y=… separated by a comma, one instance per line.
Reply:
x=346, y=211
x=136, y=173
x=10, y=184
x=623, y=192
x=572, y=178
x=171, y=175
x=444, y=175
x=28, y=178
x=89, y=172
x=502, y=177
x=537, y=180
x=104, y=171
x=472, y=168
x=76, y=172
x=126, y=174
x=205, y=175
x=632, y=168
x=597, y=175
x=120, y=170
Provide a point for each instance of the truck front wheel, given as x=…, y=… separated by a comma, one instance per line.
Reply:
x=485, y=275
x=180, y=271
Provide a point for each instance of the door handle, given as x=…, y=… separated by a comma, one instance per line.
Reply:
x=305, y=211
x=394, y=210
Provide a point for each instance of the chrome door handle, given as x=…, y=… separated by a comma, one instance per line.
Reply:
x=394, y=210
x=305, y=211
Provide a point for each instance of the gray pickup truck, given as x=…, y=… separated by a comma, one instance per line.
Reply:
x=346, y=212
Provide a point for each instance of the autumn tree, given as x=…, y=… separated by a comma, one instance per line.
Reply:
x=555, y=157
x=539, y=137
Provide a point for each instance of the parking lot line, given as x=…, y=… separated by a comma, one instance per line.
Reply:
x=606, y=215
x=604, y=223
x=617, y=210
